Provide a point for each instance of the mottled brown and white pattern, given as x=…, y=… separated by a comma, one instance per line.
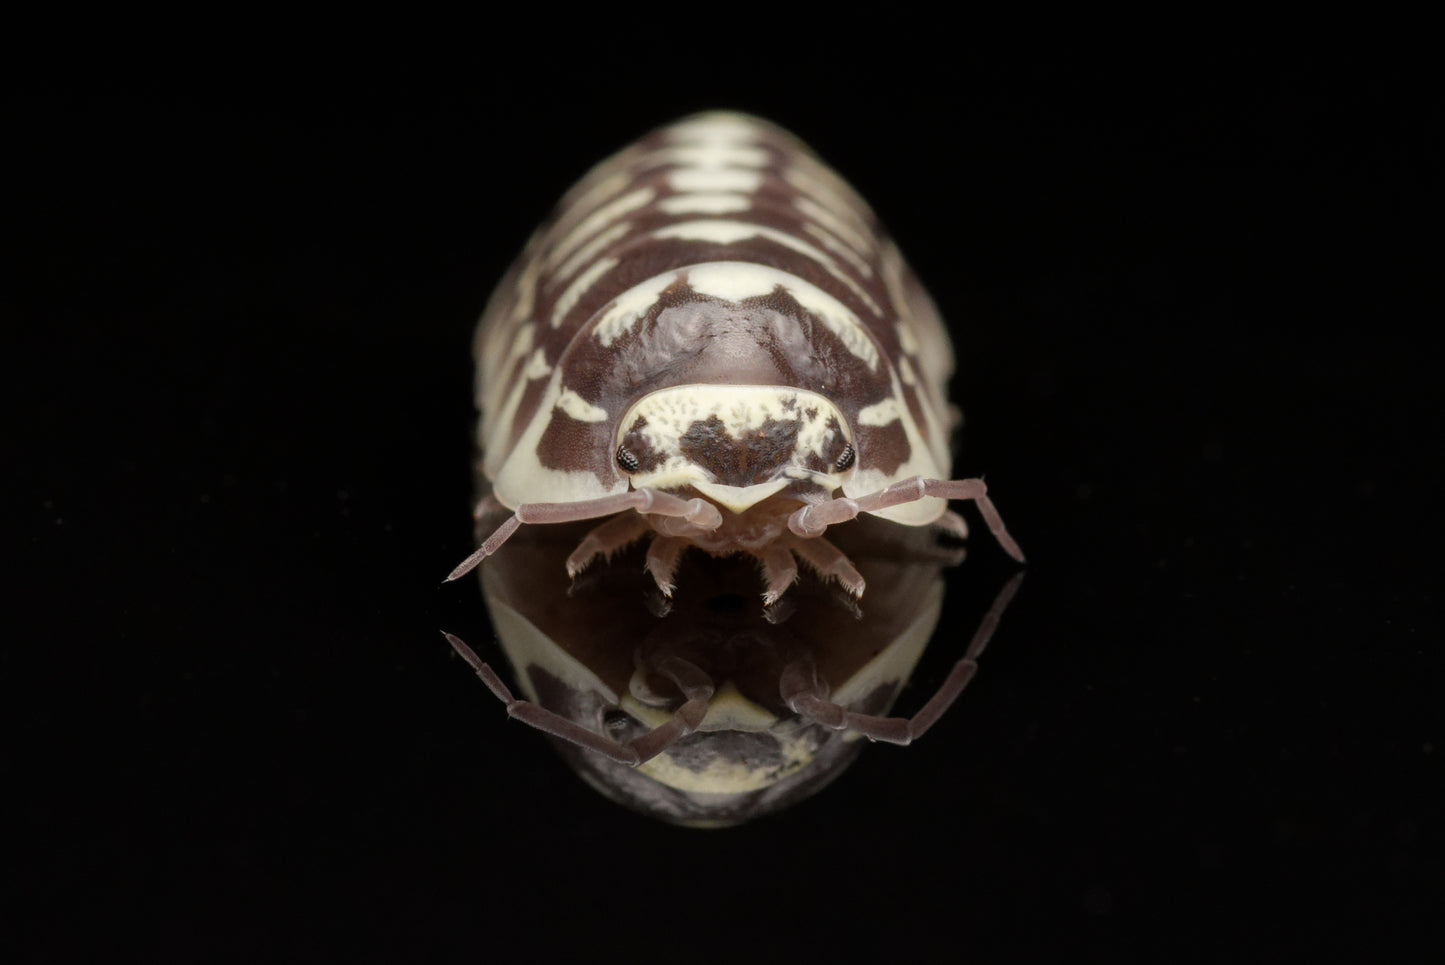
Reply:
x=714, y=322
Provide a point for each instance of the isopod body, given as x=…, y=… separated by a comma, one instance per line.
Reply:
x=712, y=343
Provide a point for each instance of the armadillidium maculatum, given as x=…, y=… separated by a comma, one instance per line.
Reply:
x=711, y=342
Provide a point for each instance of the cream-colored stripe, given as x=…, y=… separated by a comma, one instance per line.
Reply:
x=731, y=232
x=629, y=307
x=713, y=154
x=589, y=251
x=705, y=204
x=838, y=248
x=880, y=414
x=827, y=219
x=569, y=298
x=579, y=408
x=537, y=366
x=598, y=220
x=717, y=127
x=711, y=180
x=590, y=200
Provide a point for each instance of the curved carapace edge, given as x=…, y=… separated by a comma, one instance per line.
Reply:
x=712, y=342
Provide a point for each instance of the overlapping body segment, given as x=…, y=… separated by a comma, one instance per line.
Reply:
x=712, y=340
x=712, y=346
x=718, y=251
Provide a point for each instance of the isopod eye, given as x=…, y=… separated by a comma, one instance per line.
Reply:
x=627, y=460
x=845, y=461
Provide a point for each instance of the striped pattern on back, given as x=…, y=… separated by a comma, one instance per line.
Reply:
x=716, y=251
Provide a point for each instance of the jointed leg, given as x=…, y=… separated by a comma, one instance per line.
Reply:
x=812, y=520
x=662, y=557
x=695, y=685
x=697, y=511
x=779, y=570
x=807, y=696
x=828, y=560
x=606, y=539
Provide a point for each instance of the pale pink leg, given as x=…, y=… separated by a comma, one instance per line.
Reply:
x=814, y=519
x=696, y=511
x=662, y=557
x=695, y=685
x=606, y=539
x=807, y=696
x=829, y=561
x=779, y=570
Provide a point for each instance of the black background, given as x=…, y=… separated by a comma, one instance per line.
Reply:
x=1185, y=292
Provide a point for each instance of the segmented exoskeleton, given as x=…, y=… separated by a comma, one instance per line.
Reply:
x=712, y=342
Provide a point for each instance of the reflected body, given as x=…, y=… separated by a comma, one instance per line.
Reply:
x=588, y=652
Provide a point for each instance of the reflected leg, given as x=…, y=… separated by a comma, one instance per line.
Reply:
x=695, y=685
x=812, y=520
x=807, y=695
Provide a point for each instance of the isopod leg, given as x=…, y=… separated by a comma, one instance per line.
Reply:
x=829, y=561
x=698, y=511
x=779, y=570
x=696, y=686
x=539, y=717
x=812, y=520
x=807, y=696
x=662, y=557
x=606, y=539
x=489, y=546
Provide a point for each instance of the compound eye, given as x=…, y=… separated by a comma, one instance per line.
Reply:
x=846, y=459
x=626, y=460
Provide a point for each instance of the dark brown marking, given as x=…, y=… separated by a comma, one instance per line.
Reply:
x=570, y=445
x=740, y=462
x=883, y=448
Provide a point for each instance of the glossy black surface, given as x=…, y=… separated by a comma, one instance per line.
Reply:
x=1185, y=295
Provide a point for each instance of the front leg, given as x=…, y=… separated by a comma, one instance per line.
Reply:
x=698, y=512
x=812, y=520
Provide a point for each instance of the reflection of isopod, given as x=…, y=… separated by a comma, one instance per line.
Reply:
x=715, y=714
x=712, y=341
